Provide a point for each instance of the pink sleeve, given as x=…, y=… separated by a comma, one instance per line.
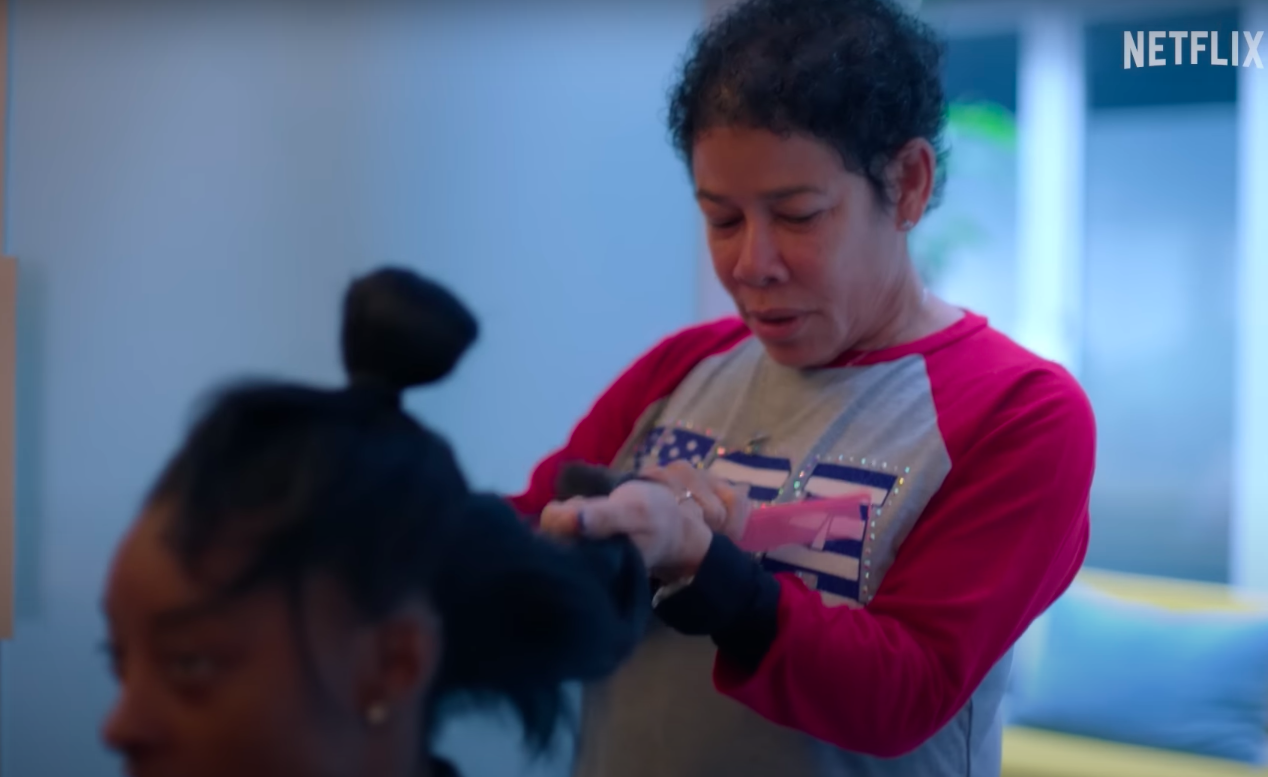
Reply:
x=600, y=435
x=999, y=542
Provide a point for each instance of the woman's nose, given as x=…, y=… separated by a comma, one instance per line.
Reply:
x=758, y=263
x=132, y=728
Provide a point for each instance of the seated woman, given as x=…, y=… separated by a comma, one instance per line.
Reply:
x=310, y=583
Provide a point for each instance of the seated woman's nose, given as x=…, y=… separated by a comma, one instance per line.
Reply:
x=131, y=729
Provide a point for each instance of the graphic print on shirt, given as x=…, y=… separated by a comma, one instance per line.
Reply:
x=664, y=445
x=764, y=475
x=832, y=567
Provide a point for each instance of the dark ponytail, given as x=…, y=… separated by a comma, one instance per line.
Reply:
x=344, y=482
x=523, y=615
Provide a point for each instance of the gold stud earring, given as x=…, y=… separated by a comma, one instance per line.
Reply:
x=376, y=714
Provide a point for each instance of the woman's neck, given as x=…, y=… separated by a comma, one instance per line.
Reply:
x=909, y=313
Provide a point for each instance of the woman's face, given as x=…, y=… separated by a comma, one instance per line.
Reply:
x=815, y=266
x=257, y=686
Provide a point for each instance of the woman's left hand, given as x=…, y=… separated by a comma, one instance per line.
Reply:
x=667, y=526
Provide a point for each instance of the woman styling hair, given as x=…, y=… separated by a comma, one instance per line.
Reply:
x=311, y=582
x=812, y=132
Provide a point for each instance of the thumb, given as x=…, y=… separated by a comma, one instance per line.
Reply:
x=738, y=509
x=562, y=519
x=602, y=517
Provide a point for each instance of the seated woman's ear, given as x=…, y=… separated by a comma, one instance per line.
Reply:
x=401, y=656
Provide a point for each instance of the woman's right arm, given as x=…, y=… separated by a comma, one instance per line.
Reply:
x=600, y=435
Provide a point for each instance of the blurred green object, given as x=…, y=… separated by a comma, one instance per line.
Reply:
x=982, y=140
x=987, y=120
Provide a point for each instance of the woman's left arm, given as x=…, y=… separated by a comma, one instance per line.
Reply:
x=1000, y=541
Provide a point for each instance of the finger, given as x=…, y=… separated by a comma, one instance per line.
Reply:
x=710, y=491
x=712, y=508
x=562, y=518
x=677, y=474
x=600, y=518
x=736, y=504
x=636, y=507
x=739, y=508
x=681, y=466
x=689, y=483
x=733, y=495
x=606, y=518
x=670, y=476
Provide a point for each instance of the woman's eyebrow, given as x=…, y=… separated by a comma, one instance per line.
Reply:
x=186, y=615
x=781, y=193
x=791, y=191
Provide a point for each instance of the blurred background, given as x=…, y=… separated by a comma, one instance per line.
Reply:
x=191, y=185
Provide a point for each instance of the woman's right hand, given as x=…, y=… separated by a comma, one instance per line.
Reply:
x=668, y=529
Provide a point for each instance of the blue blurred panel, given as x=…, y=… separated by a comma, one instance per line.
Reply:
x=982, y=69
x=1159, y=331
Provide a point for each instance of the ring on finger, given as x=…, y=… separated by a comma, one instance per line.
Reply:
x=688, y=496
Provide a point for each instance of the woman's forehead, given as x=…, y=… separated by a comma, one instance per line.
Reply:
x=149, y=579
x=145, y=573
x=739, y=158
x=149, y=582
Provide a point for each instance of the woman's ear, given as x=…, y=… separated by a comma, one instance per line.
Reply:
x=400, y=663
x=911, y=174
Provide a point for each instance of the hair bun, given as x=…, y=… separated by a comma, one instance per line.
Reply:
x=401, y=330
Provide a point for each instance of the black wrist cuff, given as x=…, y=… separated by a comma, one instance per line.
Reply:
x=732, y=599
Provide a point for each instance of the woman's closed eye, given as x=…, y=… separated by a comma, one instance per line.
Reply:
x=185, y=668
x=182, y=667
x=799, y=219
x=725, y=223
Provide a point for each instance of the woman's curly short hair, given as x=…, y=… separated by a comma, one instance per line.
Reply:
x=863, y=76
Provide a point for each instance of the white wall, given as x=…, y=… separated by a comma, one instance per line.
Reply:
x=536, y=175
x=1050, y=139
x=188, y=196
x=1249, y=539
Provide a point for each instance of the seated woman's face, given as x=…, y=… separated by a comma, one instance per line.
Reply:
x=261, y=684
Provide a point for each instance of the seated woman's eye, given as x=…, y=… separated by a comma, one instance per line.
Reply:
x=191, y=667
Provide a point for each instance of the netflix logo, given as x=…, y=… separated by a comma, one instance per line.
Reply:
x=1191, y=47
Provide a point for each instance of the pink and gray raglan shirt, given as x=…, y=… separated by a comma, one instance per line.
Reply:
x=886, y=653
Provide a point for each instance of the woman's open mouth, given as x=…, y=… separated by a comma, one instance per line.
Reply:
x=775, y=324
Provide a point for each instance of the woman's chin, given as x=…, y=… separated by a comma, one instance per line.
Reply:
x=795, y=354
